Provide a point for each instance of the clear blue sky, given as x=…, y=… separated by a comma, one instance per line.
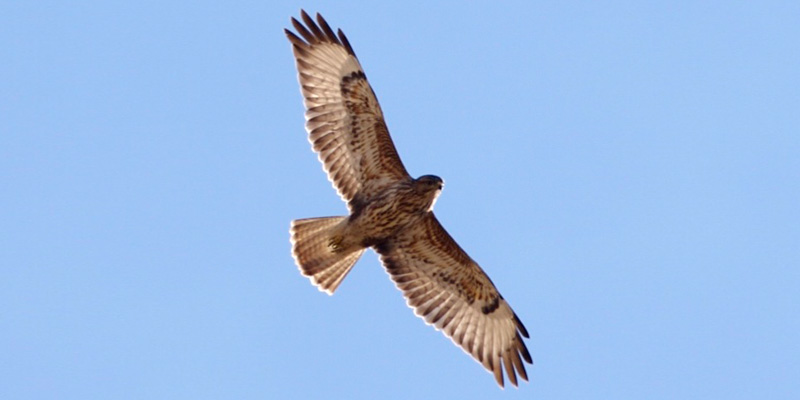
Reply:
x=627, y=174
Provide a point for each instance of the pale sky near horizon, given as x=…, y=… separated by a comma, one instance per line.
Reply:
x=628, y=175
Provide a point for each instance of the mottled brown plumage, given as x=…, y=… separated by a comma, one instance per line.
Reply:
x=389, y=210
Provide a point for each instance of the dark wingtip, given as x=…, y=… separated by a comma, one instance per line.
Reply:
x=304, y=15
x=303, y=31
x=346, y=43
x=520, y=326
x=523, y=350
x=312, y=26
x=317, y=31
x=326, y=29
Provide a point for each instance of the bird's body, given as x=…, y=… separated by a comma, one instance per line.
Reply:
x=397, y=206
x=390, y=212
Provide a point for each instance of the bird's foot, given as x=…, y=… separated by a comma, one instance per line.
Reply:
x=335, y=243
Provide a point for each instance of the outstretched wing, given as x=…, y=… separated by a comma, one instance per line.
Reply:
x=451, y=292
x=343, y=117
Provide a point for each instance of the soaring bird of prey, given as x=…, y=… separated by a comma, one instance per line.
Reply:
x=390, y=211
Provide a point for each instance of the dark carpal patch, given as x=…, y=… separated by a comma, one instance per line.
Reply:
x=489, y=308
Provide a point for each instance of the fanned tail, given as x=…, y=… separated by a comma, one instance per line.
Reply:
x=314, y=254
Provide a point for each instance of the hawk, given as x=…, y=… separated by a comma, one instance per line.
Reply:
x=390, y=211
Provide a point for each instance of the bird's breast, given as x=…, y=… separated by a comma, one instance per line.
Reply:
x=385, y=214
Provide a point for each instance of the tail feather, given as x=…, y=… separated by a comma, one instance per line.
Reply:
x=314, y=255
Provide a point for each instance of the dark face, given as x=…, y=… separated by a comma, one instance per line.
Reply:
x=431, y=181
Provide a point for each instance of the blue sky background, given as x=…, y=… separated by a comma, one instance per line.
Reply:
x=628, y=174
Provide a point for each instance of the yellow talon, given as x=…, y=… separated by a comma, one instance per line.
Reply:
x=335, y=243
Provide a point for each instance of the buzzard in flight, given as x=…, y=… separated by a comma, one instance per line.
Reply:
x=390, y=211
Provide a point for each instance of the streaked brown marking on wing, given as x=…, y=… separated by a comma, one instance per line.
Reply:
x=343, y=118
x=451, y=292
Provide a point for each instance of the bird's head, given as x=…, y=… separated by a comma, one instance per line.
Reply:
x=431, y=185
